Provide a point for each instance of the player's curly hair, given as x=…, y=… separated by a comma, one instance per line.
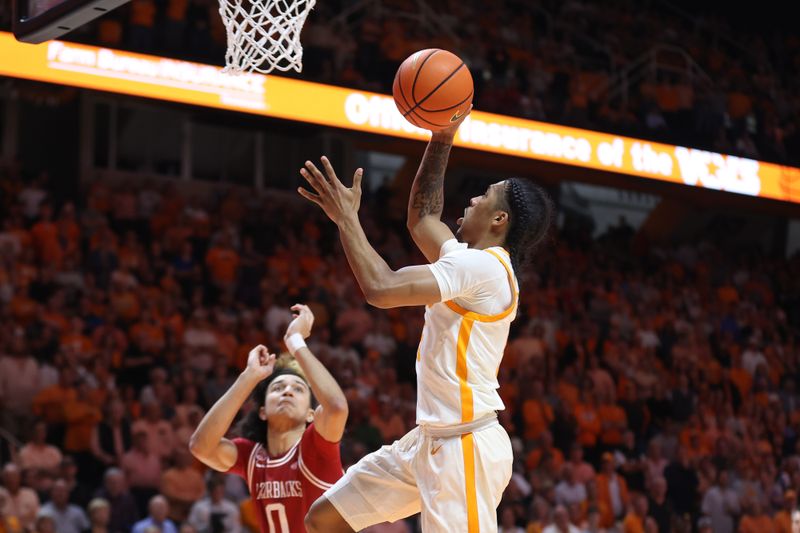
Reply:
x=531, y=213
x=251, y=427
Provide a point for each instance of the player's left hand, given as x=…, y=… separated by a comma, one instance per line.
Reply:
x=302, y=323
x=449, y=133
x=332, y=196
x=260, y=363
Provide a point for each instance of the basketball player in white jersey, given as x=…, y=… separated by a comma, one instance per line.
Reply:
x=454, y=466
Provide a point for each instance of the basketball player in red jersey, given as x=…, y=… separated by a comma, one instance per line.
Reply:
x=289, y=451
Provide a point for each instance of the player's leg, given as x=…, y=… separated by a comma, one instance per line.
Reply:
x=379, y=488
x=462, y=481
x=323, y=517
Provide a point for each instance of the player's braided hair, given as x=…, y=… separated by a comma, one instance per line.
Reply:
x=251, y=426
x=530, y=215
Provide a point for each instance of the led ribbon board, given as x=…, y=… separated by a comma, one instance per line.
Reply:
x=205, y=85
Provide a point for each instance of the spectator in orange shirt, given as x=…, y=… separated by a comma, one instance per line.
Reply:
x=634, y=520
x=388, y=419
x=223, y=262
x=182, y=485
x=568, y=390
x=49, y=403
x=589, y=424
x=45, y=238
x=74, y=339
x=544, y=449
x=612, y=492
x=81, y=415
x=125, y=301
x=783, y=518
x=148, y=332
x=613, y=421
x=536, y=412
x=755, y=520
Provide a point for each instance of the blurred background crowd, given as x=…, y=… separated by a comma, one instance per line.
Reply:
x=646, y=389
x=644, y=69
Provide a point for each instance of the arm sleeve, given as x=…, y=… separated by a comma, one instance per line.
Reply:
x=460, y=272
x=83, y=519
x=320, y=459
x=244, y=449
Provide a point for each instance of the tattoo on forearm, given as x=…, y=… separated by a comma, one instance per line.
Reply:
x=429, y=196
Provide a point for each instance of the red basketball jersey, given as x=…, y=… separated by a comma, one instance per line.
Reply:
x=283, y=488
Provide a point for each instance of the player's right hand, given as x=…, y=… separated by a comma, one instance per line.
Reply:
x=260, y=363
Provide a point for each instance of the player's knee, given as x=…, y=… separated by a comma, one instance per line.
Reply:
x=322, y=517
x=312, y=519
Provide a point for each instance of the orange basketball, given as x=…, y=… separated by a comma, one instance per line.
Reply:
x=432, y=88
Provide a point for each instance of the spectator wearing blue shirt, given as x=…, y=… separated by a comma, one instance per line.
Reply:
x=158, y=509
x=69, y=518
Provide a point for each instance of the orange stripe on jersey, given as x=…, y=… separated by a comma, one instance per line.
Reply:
x=471, y=315
x=461, y=369
x=508, y=273
x=468, y=450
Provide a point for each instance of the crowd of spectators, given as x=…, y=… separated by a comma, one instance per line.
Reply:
x=618, y=66
x=650, y=391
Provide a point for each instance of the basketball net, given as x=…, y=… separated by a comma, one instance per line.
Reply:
x=264, y=35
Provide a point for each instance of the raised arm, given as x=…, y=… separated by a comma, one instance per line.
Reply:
x=331, y=414
x=426, y=201
x=382, y=286
x=208, y=442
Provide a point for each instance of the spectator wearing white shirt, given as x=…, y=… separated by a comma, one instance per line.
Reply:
x=19, y=501
x=570, y=490
x=37, y=454
x=160, y=434
x=214, y=513
x=721, y=504
x=19, y=382
x=32, y=196
x=752, y=357
x=561, y=522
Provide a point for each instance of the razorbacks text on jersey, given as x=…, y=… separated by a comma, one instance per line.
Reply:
x=283, y=488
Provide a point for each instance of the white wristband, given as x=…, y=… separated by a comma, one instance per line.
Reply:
x=294, y=342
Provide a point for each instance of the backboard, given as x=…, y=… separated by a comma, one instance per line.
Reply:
x=36, y=21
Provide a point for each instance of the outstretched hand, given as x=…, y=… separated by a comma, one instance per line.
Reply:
x=449, y=133
x=331, y=195
x=302, y=322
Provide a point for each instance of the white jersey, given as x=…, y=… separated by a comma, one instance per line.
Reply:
x=465, y=335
